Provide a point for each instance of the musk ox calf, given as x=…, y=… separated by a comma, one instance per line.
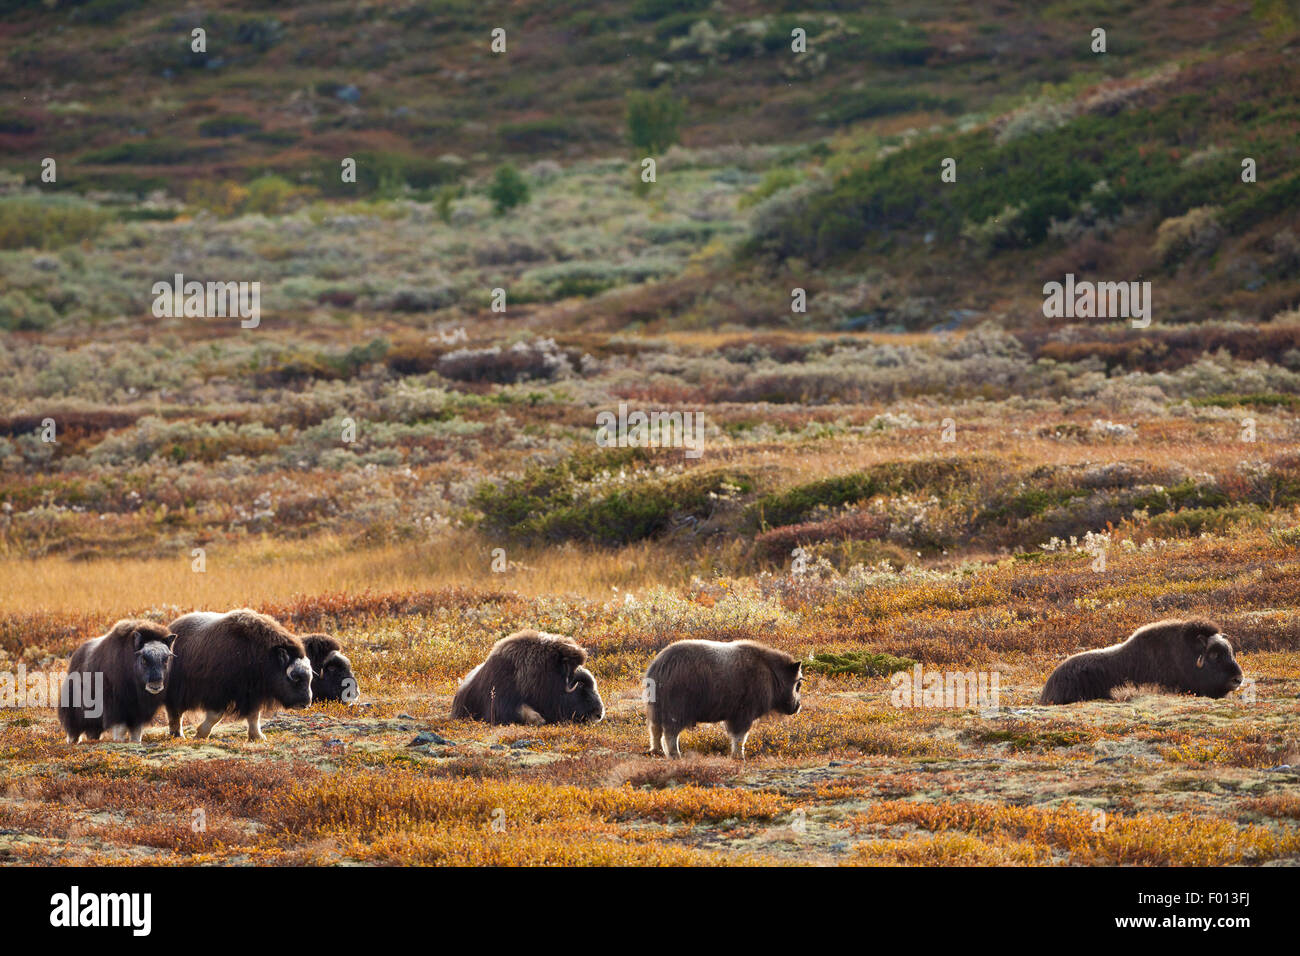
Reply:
x=240, y=661
x=1189, y=656
x=332, y=677
x=533, y=678
x=702, y=682
x=116, y=682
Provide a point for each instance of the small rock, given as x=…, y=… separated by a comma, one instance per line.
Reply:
x=521, y=745
x=497, y=747
x=428, y=737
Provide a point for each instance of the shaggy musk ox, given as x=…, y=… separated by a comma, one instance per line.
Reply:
x=240, y=661
x=1182, y=656
x=332, y=677
x=531, y=678
x=133, y=661
x=702, y=682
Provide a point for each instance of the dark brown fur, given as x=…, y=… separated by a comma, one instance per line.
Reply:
x=701, y=682
x=332, y=677
x=237, y=662
x=129, y=657
x=1182, y=656
x=530, y=677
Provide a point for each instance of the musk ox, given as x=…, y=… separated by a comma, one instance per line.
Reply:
x=116, y=682
x=533, y=678
x=702, y=682
x=240, y=661
x=332, y=677
x=1190, y=657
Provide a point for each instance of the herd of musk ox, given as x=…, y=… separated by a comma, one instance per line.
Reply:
x=245, y=663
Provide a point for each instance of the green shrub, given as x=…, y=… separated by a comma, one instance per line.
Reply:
x=871, y=102
x=508, y=189
x=231, y=125
x=653, y=121
x=860, y=663
x=148, y=152
x=269, y=195
x=47, y=222
x=1194, y=521
x=560, y=503
x=934, y=475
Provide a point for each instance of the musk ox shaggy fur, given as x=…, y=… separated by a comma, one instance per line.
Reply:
x=530, y=677
x=332, y=677
x=1183, y=656
x=240, y=661
x=116, y=682
x=702, y=682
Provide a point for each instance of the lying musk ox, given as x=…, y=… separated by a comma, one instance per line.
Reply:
x=119, y=681
x=240, y=661
x=530, y=677
x=1183, y=656
x=701, y=682
x=332, y=677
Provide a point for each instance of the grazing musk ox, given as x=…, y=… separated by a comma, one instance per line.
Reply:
x=702, y=682
x=530, y=677
x=120, y=678
x=1184, y=656
x=332, y=677
x=239, y=661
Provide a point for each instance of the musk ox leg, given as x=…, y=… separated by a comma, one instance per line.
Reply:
x=255, y=727
x=738, y=735
x=670, y=742
x=118, y=733
x=209, y=721
x=656, y=735
x=73, y=737
x=137, y=734
x=176, y=723
x=530, y=716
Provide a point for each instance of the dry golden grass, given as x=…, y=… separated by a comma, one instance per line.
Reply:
x=268, y=571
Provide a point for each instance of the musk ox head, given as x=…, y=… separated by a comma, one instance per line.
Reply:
x=153, y=656
x=290, y=675
x=581, y=701
x=332, y=671
x=1211, y=669
x=790, y=683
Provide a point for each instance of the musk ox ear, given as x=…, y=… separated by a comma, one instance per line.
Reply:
x=169, y=639
x=1199, y=642
x=282, y=653
x=137, y=638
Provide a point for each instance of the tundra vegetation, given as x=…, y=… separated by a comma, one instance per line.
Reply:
x=919, y=469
